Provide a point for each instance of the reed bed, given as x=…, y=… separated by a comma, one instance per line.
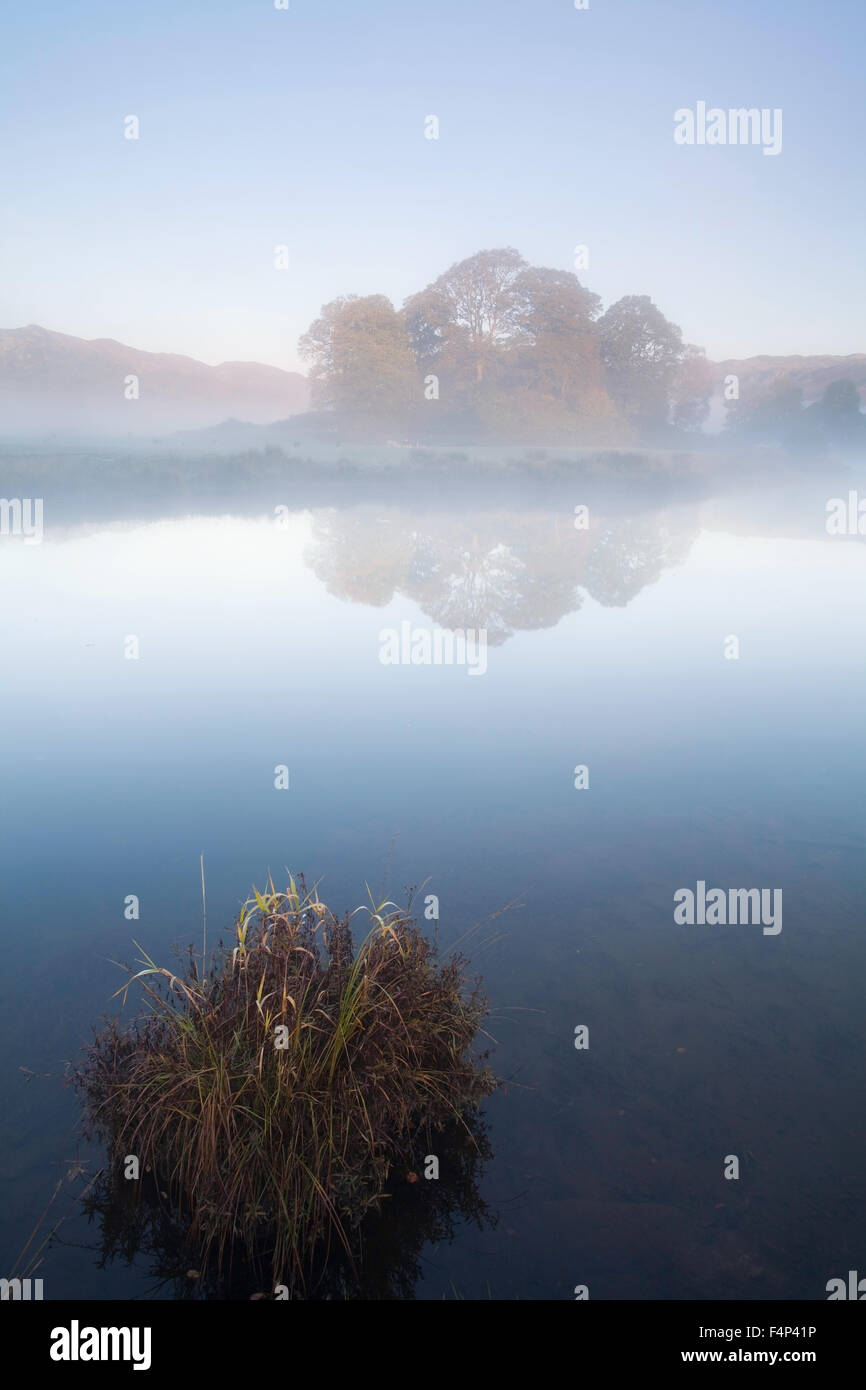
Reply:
x=269, y=1098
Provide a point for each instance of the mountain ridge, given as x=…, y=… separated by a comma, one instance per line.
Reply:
x=55, y=381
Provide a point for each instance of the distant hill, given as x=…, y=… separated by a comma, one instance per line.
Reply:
x=55, y=382
x=812, y=374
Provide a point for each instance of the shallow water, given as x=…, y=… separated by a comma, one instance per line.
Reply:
x=260, y=646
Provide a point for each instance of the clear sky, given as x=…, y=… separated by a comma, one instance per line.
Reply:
x=261, y=127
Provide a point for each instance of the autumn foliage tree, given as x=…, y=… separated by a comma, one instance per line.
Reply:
x=361, y=363
x=692, y=387
x=497, y=349
x=642, y=352
x=557, y=362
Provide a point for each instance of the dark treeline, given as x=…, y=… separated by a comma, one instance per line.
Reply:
x=778, y=414
x=496, y=349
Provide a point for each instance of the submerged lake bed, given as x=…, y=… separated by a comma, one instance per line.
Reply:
x=618, y=747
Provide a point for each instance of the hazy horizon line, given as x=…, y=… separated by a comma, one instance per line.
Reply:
x=299, y=370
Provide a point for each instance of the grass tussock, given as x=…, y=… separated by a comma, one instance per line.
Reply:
x=270, y=1098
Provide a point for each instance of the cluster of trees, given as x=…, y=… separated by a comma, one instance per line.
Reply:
x=496, y=349
x=777, y=414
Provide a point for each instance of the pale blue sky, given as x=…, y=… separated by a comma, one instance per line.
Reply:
x=306, y=127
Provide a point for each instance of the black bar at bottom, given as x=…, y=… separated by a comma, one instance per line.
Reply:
x=267, y=1337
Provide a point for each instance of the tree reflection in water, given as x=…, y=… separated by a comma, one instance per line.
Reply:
x=505, y=572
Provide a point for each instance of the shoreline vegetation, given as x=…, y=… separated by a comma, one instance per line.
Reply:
x=89, y=484
x=271, y=1103
x=141, y=467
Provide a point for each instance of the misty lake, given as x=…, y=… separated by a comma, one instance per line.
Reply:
x=608, y=649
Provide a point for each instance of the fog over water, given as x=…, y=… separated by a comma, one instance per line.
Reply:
x=259, y=645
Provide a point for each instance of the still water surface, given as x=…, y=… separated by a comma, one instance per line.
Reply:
x=259, y=646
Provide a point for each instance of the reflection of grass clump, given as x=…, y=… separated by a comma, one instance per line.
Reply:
x=288, y=1146
x=385, y=1261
